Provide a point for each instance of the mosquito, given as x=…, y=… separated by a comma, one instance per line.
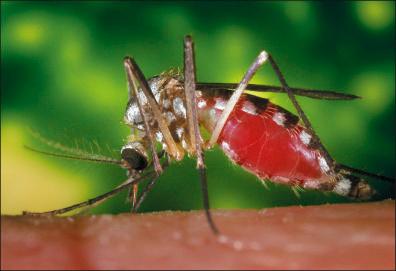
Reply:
x=261, y=137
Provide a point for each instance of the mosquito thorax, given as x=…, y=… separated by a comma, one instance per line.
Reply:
x=168, y=90
x=132, y=115
x=134, y=156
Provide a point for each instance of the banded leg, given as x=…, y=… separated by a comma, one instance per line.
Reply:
x=132, y=90
x=91, y=202
x=193, y=127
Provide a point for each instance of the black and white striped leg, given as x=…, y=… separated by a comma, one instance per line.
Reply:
x=94, y=201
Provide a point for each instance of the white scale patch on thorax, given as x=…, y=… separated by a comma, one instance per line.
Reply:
x=155, y=88
x=201, y=103
x=170, y=117
x=179, y=132
x=166, y=103
x=157, y=96
x=159, y=136
x=184, y=144
x=178, y=107
x=132, y=115
x=142, y=98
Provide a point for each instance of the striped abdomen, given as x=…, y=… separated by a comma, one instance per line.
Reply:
x=268, y=141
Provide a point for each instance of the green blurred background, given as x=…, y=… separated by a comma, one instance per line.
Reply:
x=62, y=76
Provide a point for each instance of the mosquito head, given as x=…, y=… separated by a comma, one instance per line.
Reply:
x=134, y=156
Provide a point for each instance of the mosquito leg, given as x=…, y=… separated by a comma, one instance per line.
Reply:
x=330, y=161
x=132, y=90
x=91, y=202
x=365, y=173
x=193, y=127
x=310, y=93
x=133, y=189
x=189, y=89
x=146, y=190
x=133, y=71
x=133, y=194
x=258, y=62
x=137, y=201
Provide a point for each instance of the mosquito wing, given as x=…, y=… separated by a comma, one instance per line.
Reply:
x=310, y=93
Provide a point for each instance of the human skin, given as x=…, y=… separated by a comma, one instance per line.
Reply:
x=336, y=236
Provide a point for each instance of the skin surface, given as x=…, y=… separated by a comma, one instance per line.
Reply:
x=337, y=236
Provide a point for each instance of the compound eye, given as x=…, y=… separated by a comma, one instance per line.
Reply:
x=135, y=159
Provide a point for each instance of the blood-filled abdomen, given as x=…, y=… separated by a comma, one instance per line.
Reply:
x=266, y=140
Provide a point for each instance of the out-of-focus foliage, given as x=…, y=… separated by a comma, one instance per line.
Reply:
x=62, y=75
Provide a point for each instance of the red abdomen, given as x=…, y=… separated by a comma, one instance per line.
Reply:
x=266, y=140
